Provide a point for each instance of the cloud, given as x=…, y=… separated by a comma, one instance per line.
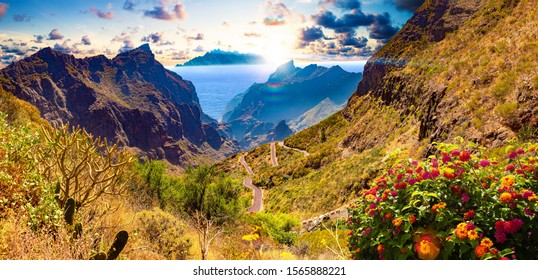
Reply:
x=180, y=55
x=126, y=40
x=276, y=13
x=64, y=47
x=3, y=9
x=344, y=4
x=85, y=40
x=198, y=49
x=12, y=50
x=153, y=37
x=39, y=38
x=161, y=12
x=310, y=34
x=129, y=5
x=349, y=39
x=252, y=34
x=407, y=5
x=382, y=29
x=102, y=14
x=55, y=35
x=347, y=23
x=21, y=18
x=198, y=37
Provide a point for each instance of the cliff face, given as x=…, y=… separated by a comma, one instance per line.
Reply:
x=131, y=98
x=457, y=68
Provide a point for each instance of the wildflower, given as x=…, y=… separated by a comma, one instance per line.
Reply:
x=513, y=226
x=446, y=158
x=486, y=242
x=465, y=156
x=435, y=163
x=435, y=173
x=412, y=219
x=465, y=198
x=529, y=212
x=455, y=153
x=461, y=231
x=397, y=222
x=358, y=250
x=506, y=197
x=504, y=258
x=471, y=226
x=449, y=175
x=372, y=213
x=426, y=249
x=438, y=206
x=507, y=181
x=380, y=248
x=480, y=251
x=469, y=215
x=510, y=167
x=484, y=163
x=370, y=197
x=512, y=155
x=388, y=215
x=520, y=151
x=472, y=235
x=494, y=251
x=500, y=236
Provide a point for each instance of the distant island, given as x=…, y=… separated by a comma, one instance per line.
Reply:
x=220, y=57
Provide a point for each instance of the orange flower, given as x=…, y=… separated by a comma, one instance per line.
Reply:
x=358, y=250
x=506, y=197
x=461, y=231
x=480, y=251
x=388, y=215
x=486, y=242
x=438, y=205
x=397, y=222
x=412, y=219
x=472, y=234
x=426, y=249
x=370, y=197
x=380, y=248
x=507, y=181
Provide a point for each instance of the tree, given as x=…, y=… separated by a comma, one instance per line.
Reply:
x=210, y=199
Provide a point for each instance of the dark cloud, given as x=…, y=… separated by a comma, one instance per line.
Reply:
x=129, y=5
x=126, y=40
x=161, y=12
x=102, y=14
x=276, y=14
x=347, y=23
x=21, y=18
x=382, y=29
x=12, y=50
x=310, y=34
x=39, y=38
x=55, y=35
x=153, y=37
x=407, y=5
x=64, y=47
x=180, y=55
x=85, y=40
x=350, y=40
x=3, y=9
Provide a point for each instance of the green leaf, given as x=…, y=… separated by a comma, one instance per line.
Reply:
x=433, y=195
x=506, y=251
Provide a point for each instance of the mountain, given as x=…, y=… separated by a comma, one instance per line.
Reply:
x=131, y=98
x=457, y=71
x=219, y=57
x=289, y=92
x=313, y=116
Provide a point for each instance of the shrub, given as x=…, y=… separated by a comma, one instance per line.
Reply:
x=458, y=206
x=279, y=226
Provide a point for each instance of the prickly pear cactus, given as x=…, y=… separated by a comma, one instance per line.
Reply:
x=119, y=243
x=69, y=211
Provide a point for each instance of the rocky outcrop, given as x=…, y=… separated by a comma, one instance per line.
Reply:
x=131, y=98
x=219, y=57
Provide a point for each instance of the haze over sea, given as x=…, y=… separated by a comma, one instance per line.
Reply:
x=217, y=85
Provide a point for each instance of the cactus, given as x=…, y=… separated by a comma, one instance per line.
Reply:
x=78, y=231
x=57, y=192
x=69, y=211
x=119, y=243
x=101, y=256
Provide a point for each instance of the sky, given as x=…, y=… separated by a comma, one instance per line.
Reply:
x=178, y=30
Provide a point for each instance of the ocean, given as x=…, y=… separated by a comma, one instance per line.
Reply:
x=217, y=85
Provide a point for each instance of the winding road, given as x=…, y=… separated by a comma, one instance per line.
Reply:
x=257, y=201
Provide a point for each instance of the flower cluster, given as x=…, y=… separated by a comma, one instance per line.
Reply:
x=451, y=206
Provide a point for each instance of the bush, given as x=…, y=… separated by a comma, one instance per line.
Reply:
x=279, y=227
x=461, y=206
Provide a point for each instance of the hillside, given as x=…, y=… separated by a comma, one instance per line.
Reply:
x=219, y=57
x=457, y=68
x=288, y=93
x=131, y=98
x=315, y=115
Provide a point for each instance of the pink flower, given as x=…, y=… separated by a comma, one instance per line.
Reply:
x=471, y=226
x=512, y=155
x=520, y=151
x=485, y=163
x=455, y=153
x=435, y=173
x=435, y=163
x=510, y=167
x=500, y=237
x=465, y=198
x=528, y=212
x=465, y=156
x=446, y=158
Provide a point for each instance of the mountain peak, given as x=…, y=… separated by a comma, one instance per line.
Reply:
x=145, y=47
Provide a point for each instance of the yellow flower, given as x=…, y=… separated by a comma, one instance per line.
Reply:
x=370, y=197
x=397, y=222
x=505, y=197
x=472, y=235
x=507, y=181
x=486, y=242
x=438, y=205
x=461, y=231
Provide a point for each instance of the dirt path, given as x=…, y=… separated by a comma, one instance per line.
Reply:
x=274, y=159
x=257, y=201
x=305, y=153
